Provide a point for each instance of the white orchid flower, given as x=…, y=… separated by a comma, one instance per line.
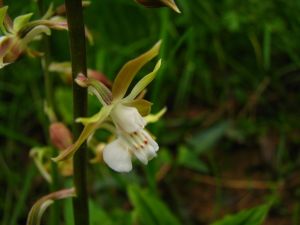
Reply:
x=117, y=154
x=126, y=113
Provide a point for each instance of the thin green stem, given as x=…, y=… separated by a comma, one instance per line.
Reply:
x=55, y=210
x=78, y=58
x=45, y=64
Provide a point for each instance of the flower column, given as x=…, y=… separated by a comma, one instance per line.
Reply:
x=78, y=58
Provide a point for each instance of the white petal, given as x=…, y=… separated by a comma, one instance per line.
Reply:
x=127, y=118
x=117, y=156
x=150, y=151
x=150, y=140
x=141, y=155
x=139, y=143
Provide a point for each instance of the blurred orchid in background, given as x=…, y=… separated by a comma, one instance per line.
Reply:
x=159, y=3
x=17, y=34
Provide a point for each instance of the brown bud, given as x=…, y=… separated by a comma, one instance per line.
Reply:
x=10, y=50
x=159, y=3
x=60, y=135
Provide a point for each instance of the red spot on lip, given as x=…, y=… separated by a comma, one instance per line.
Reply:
x=145, y=141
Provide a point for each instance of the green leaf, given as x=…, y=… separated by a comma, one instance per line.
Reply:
x=253, y=216
x=188, y=158
x=20, y=21
x=98, y=215
x=130, y=69
x=205, y=140
x=142, y=84
x=150, y=210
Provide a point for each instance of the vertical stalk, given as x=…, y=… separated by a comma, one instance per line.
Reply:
x=78, y=58
x=55, y=210
x=45, y=64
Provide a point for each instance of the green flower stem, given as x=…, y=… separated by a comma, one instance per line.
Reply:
x=55, y=210
x=78, y=58
x=45, y=65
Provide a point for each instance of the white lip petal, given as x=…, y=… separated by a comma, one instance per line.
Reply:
x=117, y=156
x=132, y=139
x=150, y=140
x=141, y=155
x=150, y=151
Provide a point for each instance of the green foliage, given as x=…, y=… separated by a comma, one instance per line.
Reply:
x=205, y=140
x=189, y=158
x=148, y=209
x=253, y=216
x=98, y=216
x=63, y=98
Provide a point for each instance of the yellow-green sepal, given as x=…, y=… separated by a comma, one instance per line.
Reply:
x=100, y=116
x=38, y=154
x=20, y=21
x=142, y=84
x=91, y=124
x=130, y=69
x=152, y=118
x=34, y=32
x=69, y=152
x=142, y=105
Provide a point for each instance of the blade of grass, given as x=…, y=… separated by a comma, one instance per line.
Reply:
x=20, y=204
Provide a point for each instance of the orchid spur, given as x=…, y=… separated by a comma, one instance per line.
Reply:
x=126, y=114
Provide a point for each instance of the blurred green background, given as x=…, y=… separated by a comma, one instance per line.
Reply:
x=229, y=141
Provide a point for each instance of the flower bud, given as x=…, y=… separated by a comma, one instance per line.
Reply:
x=10, y=50
x=60, y=135
x=159, y=3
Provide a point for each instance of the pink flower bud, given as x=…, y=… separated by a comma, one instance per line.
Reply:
x=60, y=135
x=100, y=77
